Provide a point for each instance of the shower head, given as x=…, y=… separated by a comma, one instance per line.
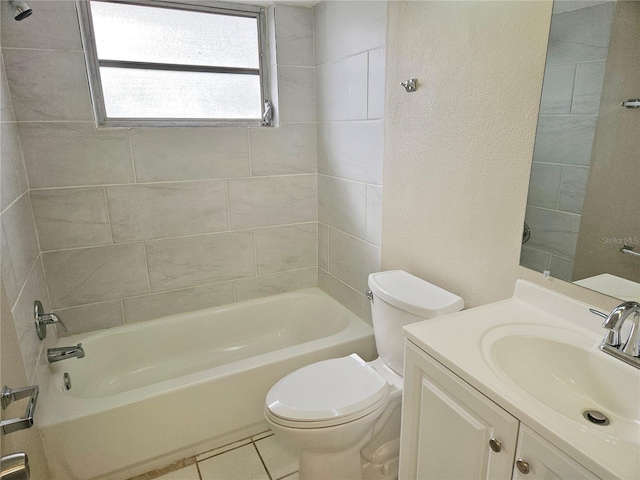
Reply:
x=20, y=9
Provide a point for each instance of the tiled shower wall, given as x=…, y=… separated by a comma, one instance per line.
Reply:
x=134, y=224
x=578, y=45
x=350, y=76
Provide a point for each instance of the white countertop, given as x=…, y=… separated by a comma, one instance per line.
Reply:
x=459, y=341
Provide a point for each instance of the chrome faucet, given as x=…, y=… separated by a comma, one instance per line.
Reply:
x=628, y=352
x=62, y=353
x=43, y=319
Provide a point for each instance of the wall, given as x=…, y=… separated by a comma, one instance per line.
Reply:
x=576, y=59
x=139, y=223
x=611, y=203
x=350, y=58
x=458, y=151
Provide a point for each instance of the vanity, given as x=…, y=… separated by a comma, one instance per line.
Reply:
x=518, y=389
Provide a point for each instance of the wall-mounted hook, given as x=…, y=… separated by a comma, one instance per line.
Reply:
x=410, y=85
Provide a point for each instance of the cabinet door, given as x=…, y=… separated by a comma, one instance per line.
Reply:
x=537, y=459
x=447, y=426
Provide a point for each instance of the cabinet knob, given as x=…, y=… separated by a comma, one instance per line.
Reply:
x=495, y=444
x=523, y=466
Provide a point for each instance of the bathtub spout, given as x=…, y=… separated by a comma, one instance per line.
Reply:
x=62, y=353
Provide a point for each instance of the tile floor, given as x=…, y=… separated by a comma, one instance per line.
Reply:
x=261, y=457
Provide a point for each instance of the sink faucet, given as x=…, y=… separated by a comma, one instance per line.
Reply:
x=62, y=353
x=628, y=352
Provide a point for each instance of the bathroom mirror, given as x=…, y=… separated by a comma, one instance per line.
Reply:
x=583, y=205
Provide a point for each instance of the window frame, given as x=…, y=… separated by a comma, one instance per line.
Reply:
x=234, y=9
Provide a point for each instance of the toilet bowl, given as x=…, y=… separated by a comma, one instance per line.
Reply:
x=343, y=414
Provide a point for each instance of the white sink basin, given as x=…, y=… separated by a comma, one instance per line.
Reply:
x=570, y=376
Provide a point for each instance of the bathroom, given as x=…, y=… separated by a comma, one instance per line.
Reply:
x=376, y=178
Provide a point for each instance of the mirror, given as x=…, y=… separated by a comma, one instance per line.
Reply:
x=583, y=205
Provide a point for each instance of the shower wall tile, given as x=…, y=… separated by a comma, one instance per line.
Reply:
x=22, y=240
x=569, y=5
x=294, y=31
x=557, y=89
x=289, y=149
x=342, y=89
x=297, y=94
x=342, y=205
x=544, y=185
x=374, y=215
x=323, y=246
x=352, y=260
x=589, y=81
x=259, y=202
x=342, y=292
x=48, y=85
x=565, y=139
x=54, y=26
x=286, y=248
x=75, y=154
x=35, y=288
x=165, y=154
x=71, y=217
x=6, y=108
x=160, y=210
x=190, y=261
x=580, y=35
x=552, y=231
x=572, y=188
x=6, y=269
x=534, y=259
x=562, y=268
x=265, y=285
x=346, y=28
x=377, y=65
x=87, y=318
x=11, y=186
x=351, y=150
x=96, y=274
x=148, y=307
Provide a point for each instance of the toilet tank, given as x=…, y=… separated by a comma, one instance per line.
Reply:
x=399, y=299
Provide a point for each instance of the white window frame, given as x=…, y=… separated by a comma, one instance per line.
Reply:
x=235, y=9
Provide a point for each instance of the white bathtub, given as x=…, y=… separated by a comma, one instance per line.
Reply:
x=152, y=393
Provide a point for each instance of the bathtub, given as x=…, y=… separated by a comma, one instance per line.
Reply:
x=151, y=393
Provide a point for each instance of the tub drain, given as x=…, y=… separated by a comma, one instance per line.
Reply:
x=596, y=417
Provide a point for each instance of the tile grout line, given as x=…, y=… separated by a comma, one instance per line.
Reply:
x=264, y=465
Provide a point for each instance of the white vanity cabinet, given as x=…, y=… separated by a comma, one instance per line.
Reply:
x=452, y=431
x=449, y=429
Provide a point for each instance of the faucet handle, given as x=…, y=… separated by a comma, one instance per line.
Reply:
x=43, y=319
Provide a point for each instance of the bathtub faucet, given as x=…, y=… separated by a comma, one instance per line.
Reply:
x=62, y=353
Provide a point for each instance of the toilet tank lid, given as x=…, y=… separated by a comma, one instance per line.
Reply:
x=410, y=293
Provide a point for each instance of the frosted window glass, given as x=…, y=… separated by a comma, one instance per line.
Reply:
x=163, y=35
x=137, y=93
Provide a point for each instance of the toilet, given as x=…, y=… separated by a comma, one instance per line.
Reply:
x=343, y=414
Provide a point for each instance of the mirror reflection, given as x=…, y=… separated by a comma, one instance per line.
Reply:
x=584, y=194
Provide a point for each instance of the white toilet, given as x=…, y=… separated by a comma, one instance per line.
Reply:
x=343, y=414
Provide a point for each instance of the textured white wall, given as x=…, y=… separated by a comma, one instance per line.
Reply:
x=458, y=151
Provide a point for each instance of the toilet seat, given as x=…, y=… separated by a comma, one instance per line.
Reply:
x=327, y=393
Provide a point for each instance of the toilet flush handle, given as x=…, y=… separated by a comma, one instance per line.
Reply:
x=369, y=294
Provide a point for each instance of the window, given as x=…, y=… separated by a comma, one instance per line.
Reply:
x=157, y=63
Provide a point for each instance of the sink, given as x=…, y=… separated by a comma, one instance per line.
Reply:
x=568, y=374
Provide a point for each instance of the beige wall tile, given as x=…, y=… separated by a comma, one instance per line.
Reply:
x=87, y=318
x=275, y=283
x=6, y=265
x=75, y=154
x=294, y=33
x=342, y=204
x=291, y=148
x=352, y=260
x=158, y=305
x=163, y=154
x=6, y=108
x=189, y=261
x=71, y=217
x=140, y=212
x=343, y=293
x=297, y=94
x=323, y=246
x=22, y=241
x=96, y=274
x=11, y=186
x=258, y=202
x=286, y=248
x=48, y=85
